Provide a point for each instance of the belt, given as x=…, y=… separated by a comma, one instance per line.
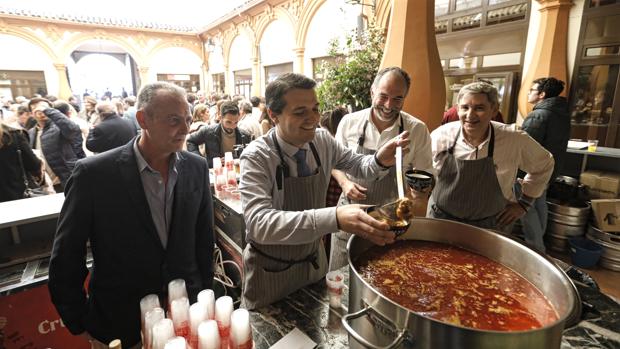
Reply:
x=312, y=258
x=455, y=218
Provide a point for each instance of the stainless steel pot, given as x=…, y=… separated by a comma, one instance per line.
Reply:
x=374, y=321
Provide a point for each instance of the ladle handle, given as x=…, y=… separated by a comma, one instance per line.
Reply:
x=399, y=172
x=358, y=337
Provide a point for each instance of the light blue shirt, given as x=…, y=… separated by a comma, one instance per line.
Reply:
x=159, y=196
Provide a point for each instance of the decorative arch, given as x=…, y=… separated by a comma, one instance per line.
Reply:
x=232, y=35
x=308, y=12
x=272, y=15
x=76, y=41
x=383, y=11
x=28, y=36
x=195, y=49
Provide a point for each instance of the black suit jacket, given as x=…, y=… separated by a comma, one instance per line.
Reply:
x=110, y=133
x=211, y=137
x=105, y=203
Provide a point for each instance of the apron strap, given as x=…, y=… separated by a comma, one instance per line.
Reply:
x=311, y=258
x=282, y=170
x=316, y=154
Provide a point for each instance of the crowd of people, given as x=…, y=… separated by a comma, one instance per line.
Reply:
x=145, y=204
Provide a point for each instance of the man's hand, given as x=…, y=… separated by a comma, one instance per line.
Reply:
x=386, y=154
x=353, y=219
x=509, y=214
x=353, y=191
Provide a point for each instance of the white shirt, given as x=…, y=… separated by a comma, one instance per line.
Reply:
x=251, y=126
x=262, y=202
x=419, y=155
x=514, y=150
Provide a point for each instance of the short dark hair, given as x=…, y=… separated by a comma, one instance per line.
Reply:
x=255, y=101
x=275, y=91
x=330, y=120
x=552, y=87
x=396, y=70
x=62, y=107
x=191, y=98
x=22, y=109
x=229, y=107
x=37, y=100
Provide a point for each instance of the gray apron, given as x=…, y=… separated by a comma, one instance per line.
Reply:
x=379, y=191
x=272, y=272
x=468, y=191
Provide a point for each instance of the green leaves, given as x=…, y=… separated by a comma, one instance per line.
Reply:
x=348, y=78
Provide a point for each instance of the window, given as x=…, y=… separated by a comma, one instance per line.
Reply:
x=190, y=82
x=458, y=15
x=15, y=83
x=243, y=83
x=273, y=71
x=219, y=83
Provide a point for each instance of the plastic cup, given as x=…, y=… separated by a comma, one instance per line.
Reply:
x=207, y=297
x=150, y=319
x=592, y=144
x=208, y=335
x=240, y=330
x=163, y=330
x=176, y=343
x=179, y=310
x=223, y=311
x=335, y=285
x=197, y=314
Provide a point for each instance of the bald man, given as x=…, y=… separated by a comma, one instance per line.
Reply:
x=111, y=132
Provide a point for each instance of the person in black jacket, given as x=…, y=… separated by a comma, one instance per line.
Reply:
x=11, y=181
x=147, y=211
x=112, y=130
x=55, y=136
x=219, y=138
x=549, y=125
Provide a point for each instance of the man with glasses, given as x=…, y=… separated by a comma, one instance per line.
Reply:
x=146, y=209
x=549, y=125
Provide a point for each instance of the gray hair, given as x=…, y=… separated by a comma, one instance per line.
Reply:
x=146, y=94
x=395, y=70
x=480, y=88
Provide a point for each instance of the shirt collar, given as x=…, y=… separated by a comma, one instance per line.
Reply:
x=462, y=139
x=142, y=164
x=287, y=148
x=396, y=124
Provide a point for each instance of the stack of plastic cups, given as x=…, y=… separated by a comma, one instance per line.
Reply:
x=176, y=290
x=207, y=297
x=197, y=314
x=208, y=335
x=150, y=319
x=229, y=162
x=176, y=343
x=240, y=330
x=223, y=311
x=220, y=179
x=179, y=310
x=147, y=303
x=163, y=330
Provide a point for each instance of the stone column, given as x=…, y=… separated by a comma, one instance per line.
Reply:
x=144, y=76
x=64, y=90
x=298, y=64
x=549, y=55
x=257, y=82
x=411, y=45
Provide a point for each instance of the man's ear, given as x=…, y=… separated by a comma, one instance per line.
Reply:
x=141, y=118
x=542, y=95
x=272, y=116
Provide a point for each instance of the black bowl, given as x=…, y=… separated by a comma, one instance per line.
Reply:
x=419, y=180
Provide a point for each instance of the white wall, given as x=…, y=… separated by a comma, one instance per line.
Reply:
x=20, y=54
x=174, y=60
x=240, y=56
x=333, y=20
x=276, y=44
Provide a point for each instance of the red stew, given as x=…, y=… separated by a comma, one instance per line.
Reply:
x=456, y=286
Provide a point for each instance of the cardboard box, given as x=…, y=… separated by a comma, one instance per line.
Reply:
x=607, y=214
x=601, y=184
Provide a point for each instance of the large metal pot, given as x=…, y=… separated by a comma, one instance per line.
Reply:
x=374, y=321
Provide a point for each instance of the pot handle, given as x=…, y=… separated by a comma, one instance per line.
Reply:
x=364, y=341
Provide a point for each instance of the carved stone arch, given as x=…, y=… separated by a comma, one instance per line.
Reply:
x=228, y=46
x=76, y=41
x=30, y=37
x=264, y=21
x=308, y=12
x=383, y=11
x=164, y=44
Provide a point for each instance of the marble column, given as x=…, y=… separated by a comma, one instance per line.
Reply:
x=549, y=55
x=411, y=45
x=298, y=64
x=64, y=90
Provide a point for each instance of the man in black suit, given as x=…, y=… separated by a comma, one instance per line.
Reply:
x=111, y=132
x=146, y=209
x=219, y=138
